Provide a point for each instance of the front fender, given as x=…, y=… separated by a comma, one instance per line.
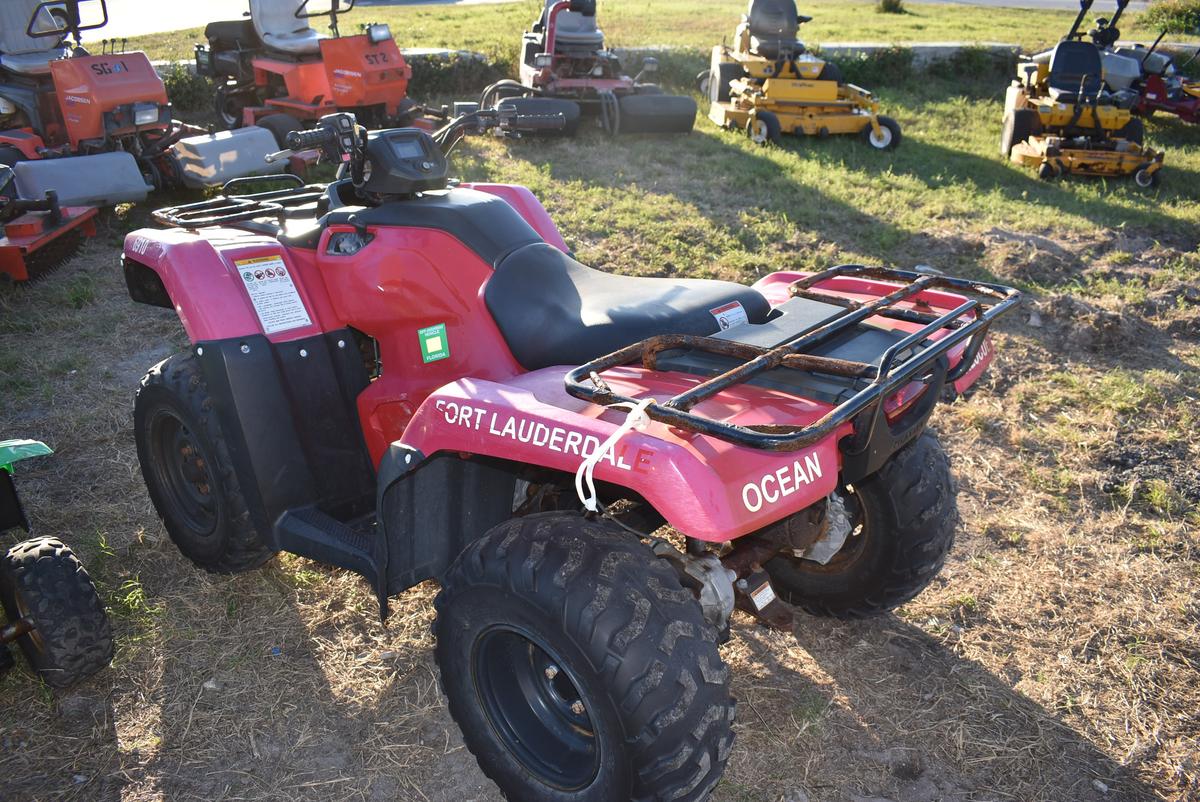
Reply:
x=706, y=488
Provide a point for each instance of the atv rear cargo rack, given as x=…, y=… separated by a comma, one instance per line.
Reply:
x=914, y=356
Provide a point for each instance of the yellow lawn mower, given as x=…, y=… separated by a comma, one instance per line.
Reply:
x=1060, y=120
x=768, y=85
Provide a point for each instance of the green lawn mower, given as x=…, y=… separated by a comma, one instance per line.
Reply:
x=53, y=611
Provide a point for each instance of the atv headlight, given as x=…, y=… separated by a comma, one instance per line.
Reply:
x=145, y=113
x=378, y=32
x=543, y=60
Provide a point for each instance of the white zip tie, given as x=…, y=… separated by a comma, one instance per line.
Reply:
x=636, y=419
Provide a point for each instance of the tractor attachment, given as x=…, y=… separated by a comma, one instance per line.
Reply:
x=38, y=236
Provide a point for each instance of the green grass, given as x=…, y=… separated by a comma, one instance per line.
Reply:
x=496, y=30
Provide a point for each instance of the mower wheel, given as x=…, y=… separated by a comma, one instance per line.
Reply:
x=656, y=114
x=502, y=90
x=763, y=128
x=902, y=521
x=579, y=668
x=42, y=581
x=280, y=125
x=1134, y=131
x=8, y=157
x=1146, y=179
x=719, y=84
x=702, y=81
x=228, y=104
x=831, y=72
x=889, y=134
x=1048, y=171
x=188, y=471
x=1017, y=128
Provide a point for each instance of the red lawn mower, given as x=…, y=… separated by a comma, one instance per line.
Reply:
x=276, y=71
x=38, y=235
x=413, y=379
x=1164, y=87
x=564, y=58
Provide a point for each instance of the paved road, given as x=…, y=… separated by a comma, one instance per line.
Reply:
x=1099, y=9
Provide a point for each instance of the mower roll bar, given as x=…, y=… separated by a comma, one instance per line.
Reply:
x=67, y=11
x=915, y=355
x=1084, y=7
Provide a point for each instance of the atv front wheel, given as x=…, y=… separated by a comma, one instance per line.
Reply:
x=579, y=668
x=902, y=521
x=188, y=471
x=44, y=584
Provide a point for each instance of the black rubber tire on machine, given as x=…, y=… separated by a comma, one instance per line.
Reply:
x=1048, y=171
x=228, y=105
x=537, y=106
x=702, y=81
x=1146, y=179
x=904, y=516
x=764, y=128
x=578, y=667
x=8, y=157
x=502, y=90
x=719, y=90
x=657, y=114
x=831, y=72
x=891, y=136
x=1134, y=131
x=280, y=125
x=1017, y=128
x=189, y=473
x=71, y=639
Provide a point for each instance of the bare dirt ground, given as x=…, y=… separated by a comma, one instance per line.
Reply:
x=1054, y=660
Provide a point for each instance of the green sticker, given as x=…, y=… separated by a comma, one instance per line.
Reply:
x=434, y=343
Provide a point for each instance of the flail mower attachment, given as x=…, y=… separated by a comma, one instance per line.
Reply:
x=39, y=235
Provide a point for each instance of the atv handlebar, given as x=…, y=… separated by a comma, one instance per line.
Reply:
x=315, y=138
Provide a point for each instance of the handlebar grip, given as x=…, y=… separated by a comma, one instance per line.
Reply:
x=317, y=137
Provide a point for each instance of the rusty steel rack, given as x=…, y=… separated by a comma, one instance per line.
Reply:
x=914, y=356
x=229, y=207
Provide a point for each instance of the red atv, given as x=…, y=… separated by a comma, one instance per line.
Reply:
x=413, y=379
x=566, y=68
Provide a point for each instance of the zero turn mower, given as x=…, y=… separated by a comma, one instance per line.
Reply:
x=1060, y=119
x=276, y=71
x=768, y=85
x=566, y=69
x=97, y=129
x=53, y=611
x=38, y=235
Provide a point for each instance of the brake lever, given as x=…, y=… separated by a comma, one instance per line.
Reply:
x=280, y=155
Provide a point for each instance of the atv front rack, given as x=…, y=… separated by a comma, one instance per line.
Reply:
x=232, y=208
x=915, y=356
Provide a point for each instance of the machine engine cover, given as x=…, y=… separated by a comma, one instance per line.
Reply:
x=212, y=159
x=98, y=180
x=90, y=86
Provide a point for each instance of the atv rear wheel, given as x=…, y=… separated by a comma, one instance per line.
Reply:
x=763, y=128
x=188, y=471
x=902, y=521
x=43, y=582
x=578, y=668
x=888, y=137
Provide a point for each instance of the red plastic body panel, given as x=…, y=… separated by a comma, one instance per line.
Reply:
x=476, y=398
x=1155, y=97
x=89, y=86
x=24, y=140
x=308, y=93
x=529, y=208
x=365, y=74
x=29, y=232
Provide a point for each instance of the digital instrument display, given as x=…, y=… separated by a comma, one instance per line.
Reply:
x=408, y=148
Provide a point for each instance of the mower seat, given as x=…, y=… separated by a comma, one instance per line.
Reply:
x=773, y=28
x=1074, y=65
x=552, y=310
x=574, y=31
x=279, y=28
x=24, y=54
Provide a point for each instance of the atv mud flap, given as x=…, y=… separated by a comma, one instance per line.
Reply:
x=102, y=179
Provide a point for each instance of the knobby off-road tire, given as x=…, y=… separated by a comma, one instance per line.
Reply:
x=577, y=619
x=196, y=494
x=908, y=515
x=71, y=639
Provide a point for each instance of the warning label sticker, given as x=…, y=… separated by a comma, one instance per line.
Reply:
x=730, y=315
x=269, y=284
x=763, y=596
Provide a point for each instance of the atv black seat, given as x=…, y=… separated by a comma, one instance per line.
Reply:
x=1072, y=65
x=773, y=28
x=232, y=35
x=552, y=310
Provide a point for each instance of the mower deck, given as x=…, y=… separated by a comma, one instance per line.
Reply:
x=1052, y=156
x=32, y=244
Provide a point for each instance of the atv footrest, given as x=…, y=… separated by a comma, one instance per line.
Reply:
x=832, y=346
x=311, y=533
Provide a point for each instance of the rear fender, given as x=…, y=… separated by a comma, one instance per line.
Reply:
x=211, y=284
x=705, y=488
x=529, y=207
